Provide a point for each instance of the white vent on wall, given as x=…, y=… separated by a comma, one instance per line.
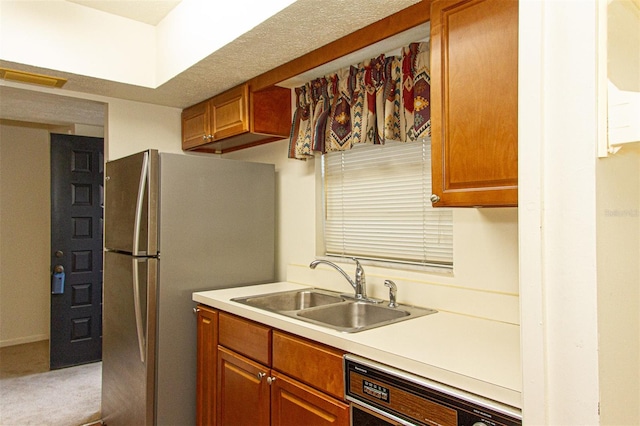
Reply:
x=619, y=23
x=624, y=116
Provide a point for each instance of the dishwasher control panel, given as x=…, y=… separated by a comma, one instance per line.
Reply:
x=411, y=400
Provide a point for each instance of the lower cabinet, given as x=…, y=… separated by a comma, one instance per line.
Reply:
x=269, y=377
x=243, y=391
x=294, y=403
x=206, y=361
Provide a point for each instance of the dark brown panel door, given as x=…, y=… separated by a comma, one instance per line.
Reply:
x=77, y=169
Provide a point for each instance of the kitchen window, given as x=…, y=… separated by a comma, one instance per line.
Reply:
x=376, y=206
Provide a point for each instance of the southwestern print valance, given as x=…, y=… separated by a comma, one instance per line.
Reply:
x=384, y=98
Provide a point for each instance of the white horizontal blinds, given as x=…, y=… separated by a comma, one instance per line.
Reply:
x=377, y=206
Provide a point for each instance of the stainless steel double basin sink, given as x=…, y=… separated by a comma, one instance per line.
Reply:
x=333, y=310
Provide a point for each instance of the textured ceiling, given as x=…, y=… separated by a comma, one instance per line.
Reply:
x=296, y=30
x=44, y=108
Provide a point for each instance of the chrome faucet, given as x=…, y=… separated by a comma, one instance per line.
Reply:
x=359, y=285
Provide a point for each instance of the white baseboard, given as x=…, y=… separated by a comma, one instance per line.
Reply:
x=22, y=340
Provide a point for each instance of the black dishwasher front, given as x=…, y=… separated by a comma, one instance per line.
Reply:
x=382, y=395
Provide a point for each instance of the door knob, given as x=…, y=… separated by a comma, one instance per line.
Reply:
x=58, y=269
x=59, y=254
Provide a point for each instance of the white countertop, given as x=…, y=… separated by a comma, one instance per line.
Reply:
x=468, y=353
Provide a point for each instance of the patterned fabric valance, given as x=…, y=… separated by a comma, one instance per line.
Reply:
x=384, y=98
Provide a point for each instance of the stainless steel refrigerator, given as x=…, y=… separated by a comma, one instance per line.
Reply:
x=174, y=224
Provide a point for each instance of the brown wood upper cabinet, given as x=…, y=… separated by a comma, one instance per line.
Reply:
x=238, y=118
x=474, y=98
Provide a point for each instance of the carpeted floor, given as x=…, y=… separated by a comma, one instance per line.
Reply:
x=30, y=394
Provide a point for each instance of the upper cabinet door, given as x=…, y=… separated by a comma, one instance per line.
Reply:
x=231, y=113
x=236, y=119
x=474, y=95
x=196, y=125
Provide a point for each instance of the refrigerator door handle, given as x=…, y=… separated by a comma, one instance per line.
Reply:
x=142, y=187
x=138, y=310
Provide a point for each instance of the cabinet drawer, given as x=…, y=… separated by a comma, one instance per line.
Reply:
x=245, y=337
x=309, y=362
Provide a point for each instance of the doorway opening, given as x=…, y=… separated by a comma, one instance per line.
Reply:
x=77, y=175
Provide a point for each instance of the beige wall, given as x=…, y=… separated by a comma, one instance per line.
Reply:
x=485, y=279
x=618, y=234
x=134, y=126
x=579, y=222
x=295, y=203
x=24, y=234
x=25, y=205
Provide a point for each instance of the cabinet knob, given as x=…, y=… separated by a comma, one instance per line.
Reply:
x=270, y=380
x=434, y=198
x=204, y=138
x=261, y=375
x=196, y=310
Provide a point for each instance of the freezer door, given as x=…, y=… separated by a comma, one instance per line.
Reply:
x=128, y=348
x=131, y=200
